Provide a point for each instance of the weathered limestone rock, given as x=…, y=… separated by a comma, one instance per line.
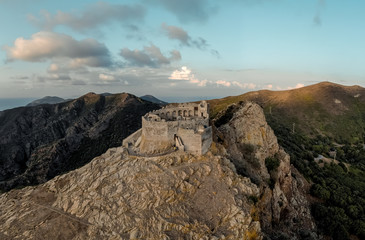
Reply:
x=116, y=196
x=249, y=140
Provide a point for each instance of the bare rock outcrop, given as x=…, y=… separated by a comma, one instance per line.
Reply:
x=249, y=140
x=117, y=196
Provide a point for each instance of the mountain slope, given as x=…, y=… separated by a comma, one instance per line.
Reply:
x=38, y=143
x=46, y=100
x=322, y=109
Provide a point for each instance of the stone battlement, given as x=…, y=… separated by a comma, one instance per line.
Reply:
x=184, y=126
x=181, y=111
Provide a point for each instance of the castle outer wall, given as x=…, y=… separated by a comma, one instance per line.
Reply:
x=166, y=128
x=196, y=143
x=158, y=136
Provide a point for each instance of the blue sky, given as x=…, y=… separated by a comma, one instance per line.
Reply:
x=175, y=48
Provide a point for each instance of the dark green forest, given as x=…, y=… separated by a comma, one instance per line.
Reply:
x=338, y=188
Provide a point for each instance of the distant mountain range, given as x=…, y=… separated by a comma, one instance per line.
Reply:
x=153, y=99
x=55, y=99
x=46, y=100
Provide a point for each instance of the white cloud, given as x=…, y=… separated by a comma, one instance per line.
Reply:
x=299, y=85
x=53, y=68
x=183, y=74
x=269, y=86
x=244, y=85
x=43, y=46
x=223, y=83
x=106, y=77
x=203, y=83
x=54, y=77
x=186, y=74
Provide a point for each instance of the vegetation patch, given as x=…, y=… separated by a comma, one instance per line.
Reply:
x=308, y=124
x=272, y=163
x=340, y=211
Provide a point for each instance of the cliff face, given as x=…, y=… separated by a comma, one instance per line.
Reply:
x=116, y=196
x=250, y=142
x=38, y=143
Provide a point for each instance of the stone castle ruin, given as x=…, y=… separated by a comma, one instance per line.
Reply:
x=184, y=126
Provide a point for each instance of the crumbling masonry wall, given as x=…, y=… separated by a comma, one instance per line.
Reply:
x=157, y=136
x=188, y=122
x=189, y=110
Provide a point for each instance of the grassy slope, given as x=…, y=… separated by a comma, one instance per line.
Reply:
x=323, y=109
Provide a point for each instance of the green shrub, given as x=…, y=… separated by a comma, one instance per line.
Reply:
x=272, y=163
x=320, y=192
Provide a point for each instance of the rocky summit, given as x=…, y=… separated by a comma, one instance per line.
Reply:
x=117, y=196
x=251, y=144
x=231, y=192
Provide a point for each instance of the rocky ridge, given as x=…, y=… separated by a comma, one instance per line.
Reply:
x=38, y=143
x=249, y=140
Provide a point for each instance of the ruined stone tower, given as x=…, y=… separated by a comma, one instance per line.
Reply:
x=185, y=126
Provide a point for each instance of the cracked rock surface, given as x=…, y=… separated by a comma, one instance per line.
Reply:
x=117, y=196
x=249, y=141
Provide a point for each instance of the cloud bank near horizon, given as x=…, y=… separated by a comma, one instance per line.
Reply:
x=43, y=46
